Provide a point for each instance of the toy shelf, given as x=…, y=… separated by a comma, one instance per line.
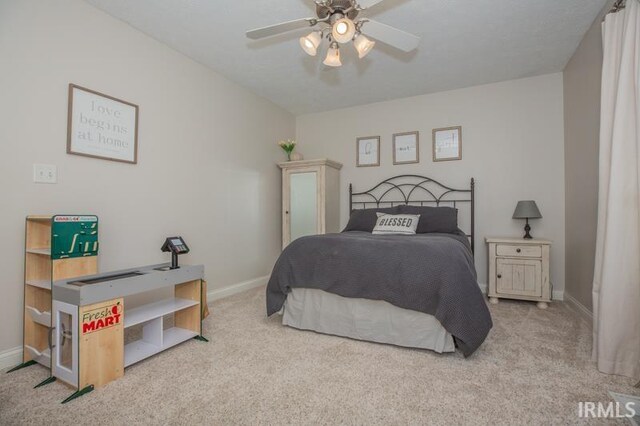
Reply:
x=41, y=357
x=52, y=252
x=45, y=284
x=186, y=309
x=40, y=251
x=140, y=349
x=42, y=318
x=38, y=269
x=151, y=311
x=41, y=217
x=174, y=335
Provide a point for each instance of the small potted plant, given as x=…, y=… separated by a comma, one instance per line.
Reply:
x=288, y=146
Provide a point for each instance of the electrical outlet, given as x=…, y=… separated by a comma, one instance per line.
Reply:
x=45, y=173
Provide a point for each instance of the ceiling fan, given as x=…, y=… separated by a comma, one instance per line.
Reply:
x=339, y=23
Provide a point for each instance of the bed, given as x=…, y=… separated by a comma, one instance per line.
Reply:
x=416, y=291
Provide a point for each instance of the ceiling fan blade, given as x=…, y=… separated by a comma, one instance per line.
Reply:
x=392, y=36
x=366, y=4
x=281, y=28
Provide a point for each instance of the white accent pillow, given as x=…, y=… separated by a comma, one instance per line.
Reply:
x=403, y=224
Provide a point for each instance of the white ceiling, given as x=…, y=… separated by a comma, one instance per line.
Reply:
x=464, y=43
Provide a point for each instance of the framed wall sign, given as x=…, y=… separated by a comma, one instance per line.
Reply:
x=101, y=126
x=368, y=151
x=447, y=144
x=406, y=148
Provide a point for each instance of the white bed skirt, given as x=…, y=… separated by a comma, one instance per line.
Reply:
x=364, y=319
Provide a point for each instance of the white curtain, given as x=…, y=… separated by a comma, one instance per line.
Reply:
x=616, y=284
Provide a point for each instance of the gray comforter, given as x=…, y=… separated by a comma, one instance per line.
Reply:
x=429, y=273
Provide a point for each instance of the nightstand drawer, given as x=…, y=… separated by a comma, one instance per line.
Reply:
x=509, y=250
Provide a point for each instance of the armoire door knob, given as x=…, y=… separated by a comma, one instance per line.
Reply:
x=499, y=275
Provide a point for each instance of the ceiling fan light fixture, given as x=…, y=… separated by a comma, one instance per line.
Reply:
x=333, y=56
x=363, y=45
x=340, y=23
x=343, y=30
x=311, y=43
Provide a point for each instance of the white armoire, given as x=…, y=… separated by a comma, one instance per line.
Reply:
x=310, y=198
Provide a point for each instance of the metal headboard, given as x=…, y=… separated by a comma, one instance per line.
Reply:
x=414, y=190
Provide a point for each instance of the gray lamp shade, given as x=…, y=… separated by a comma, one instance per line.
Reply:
x=527, y=210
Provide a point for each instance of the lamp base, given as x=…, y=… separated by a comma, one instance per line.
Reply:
x=527, y=228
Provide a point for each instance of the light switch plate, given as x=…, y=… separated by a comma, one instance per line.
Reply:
x=45, y=173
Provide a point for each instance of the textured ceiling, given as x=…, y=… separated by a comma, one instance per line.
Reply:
x=464, y=43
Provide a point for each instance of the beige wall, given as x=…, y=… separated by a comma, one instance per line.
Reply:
x=582, y=77
x=512, y=144
x=206, y=152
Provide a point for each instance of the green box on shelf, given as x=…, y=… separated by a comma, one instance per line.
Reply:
x=74, y=236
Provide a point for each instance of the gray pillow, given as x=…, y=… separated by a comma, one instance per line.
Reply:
x=434, y=219
x=365, y=219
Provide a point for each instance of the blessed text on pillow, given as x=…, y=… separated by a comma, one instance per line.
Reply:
x=403, y=224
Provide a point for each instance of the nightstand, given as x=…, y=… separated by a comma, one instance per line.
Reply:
x=519, y=269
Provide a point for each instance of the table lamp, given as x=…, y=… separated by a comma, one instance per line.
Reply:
x=527, y=210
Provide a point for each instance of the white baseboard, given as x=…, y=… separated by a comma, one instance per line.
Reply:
x=580, y=309
x=10, y=357
x=557, y=294
x=221, y=293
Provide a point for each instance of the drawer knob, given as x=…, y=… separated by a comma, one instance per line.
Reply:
x=518, y=250
x=499, y=275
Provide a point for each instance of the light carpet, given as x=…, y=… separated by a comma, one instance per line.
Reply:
x=533, y=369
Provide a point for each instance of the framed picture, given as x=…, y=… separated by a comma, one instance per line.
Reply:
x=368, y=151
x=406, y=148
x=101, y=126
x=447, y=144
